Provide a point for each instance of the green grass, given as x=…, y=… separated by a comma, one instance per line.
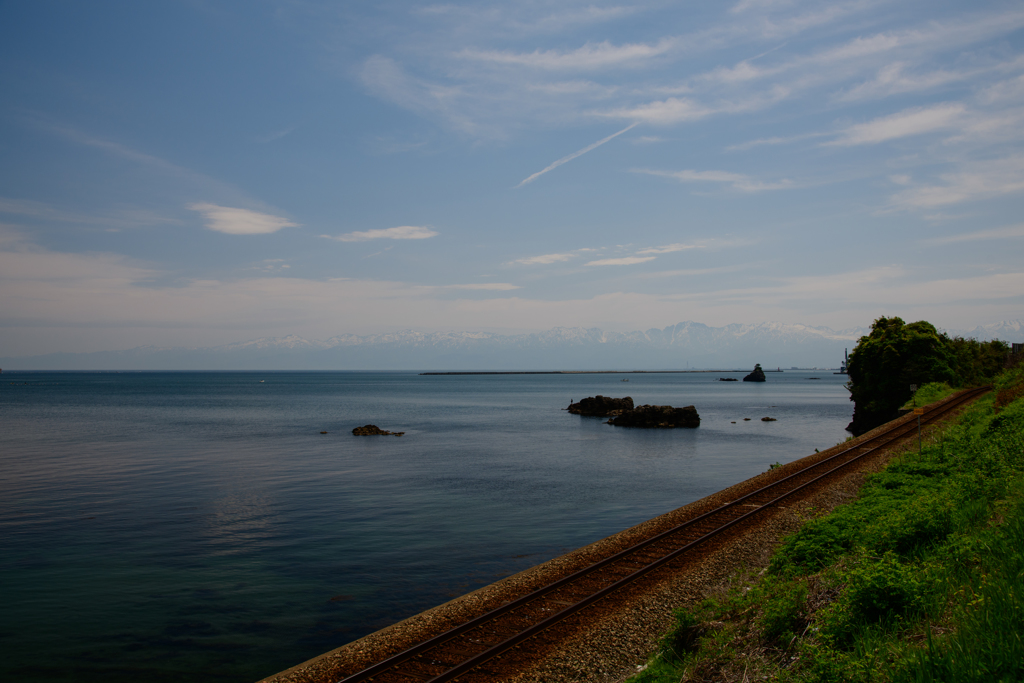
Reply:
x=929, y=393
x=919, y=579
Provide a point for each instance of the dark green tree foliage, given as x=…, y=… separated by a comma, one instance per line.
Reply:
x=887, y=361
x=977, y=362
x=895, y=355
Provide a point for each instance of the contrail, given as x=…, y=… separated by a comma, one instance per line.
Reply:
x=576, y=154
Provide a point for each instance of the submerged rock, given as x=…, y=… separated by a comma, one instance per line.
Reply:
x=756, y=376
x=601, y=406
x=374, y=430
x=658, y=417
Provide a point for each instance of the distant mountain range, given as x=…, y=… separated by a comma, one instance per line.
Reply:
x=686, y=345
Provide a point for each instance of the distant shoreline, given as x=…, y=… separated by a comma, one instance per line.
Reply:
x=588, y=372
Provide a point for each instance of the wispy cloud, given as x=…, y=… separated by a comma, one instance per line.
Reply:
x=690, y=272
x=773, y=141
x=402, y=232
x=976, y=180
x=484, y=286
x=122, y=217
x=1012, y=232
x=544, y=259
x=662, y=112
x=894, y=79
x=277, y=135
x=623, y=261
x=670, y=248
x=234, y=221
x=589, y=56
x=736, y=180
x=574, y=155
x=914, y=121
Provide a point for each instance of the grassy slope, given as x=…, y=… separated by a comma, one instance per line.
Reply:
x=929, y=393
x=920, y=579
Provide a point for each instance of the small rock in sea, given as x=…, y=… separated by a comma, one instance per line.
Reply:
x=727, y=379
x=768, y=419
x=746, y=419
x=374, y=430
x=323, y=432
x=733, y=422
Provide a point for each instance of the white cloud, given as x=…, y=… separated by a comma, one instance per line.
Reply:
x=737, y=180
x=544, y=259
x=976, y=180
x=901, y=124
x=402, y=232
x=235, y=221
x=664, y=112
x=624, y=261
x=53, y=301
x=589, y=56
x=893, y=79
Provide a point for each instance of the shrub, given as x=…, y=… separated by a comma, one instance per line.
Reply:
x=877, y=589
x=782, y=607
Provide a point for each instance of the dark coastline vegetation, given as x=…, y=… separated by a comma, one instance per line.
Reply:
x=895, y=355
x=921, y=578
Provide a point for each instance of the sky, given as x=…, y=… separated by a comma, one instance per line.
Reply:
x=198, y=172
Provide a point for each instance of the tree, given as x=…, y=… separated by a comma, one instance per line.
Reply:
x=977, y=362
x=887, y=361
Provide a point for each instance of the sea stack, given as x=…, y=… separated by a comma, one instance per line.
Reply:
x=756, y=376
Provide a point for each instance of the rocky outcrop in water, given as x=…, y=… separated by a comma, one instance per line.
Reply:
x=658, y=417
x=601, y=406
x=756, y=376
x=374, y=430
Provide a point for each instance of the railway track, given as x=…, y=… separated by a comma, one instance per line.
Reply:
x=471, y=645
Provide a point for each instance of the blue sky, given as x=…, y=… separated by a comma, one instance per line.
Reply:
x=196, y=172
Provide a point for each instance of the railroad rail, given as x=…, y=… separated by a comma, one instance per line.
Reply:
x=457, y=652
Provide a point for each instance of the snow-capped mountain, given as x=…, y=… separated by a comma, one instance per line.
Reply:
x=685, y=345
x=1006, y=330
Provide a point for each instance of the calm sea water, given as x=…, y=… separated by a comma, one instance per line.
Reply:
x=198, y=527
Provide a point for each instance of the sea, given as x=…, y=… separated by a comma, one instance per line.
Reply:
x=199, y=526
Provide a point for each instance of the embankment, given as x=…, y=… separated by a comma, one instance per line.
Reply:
x=610, y=640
